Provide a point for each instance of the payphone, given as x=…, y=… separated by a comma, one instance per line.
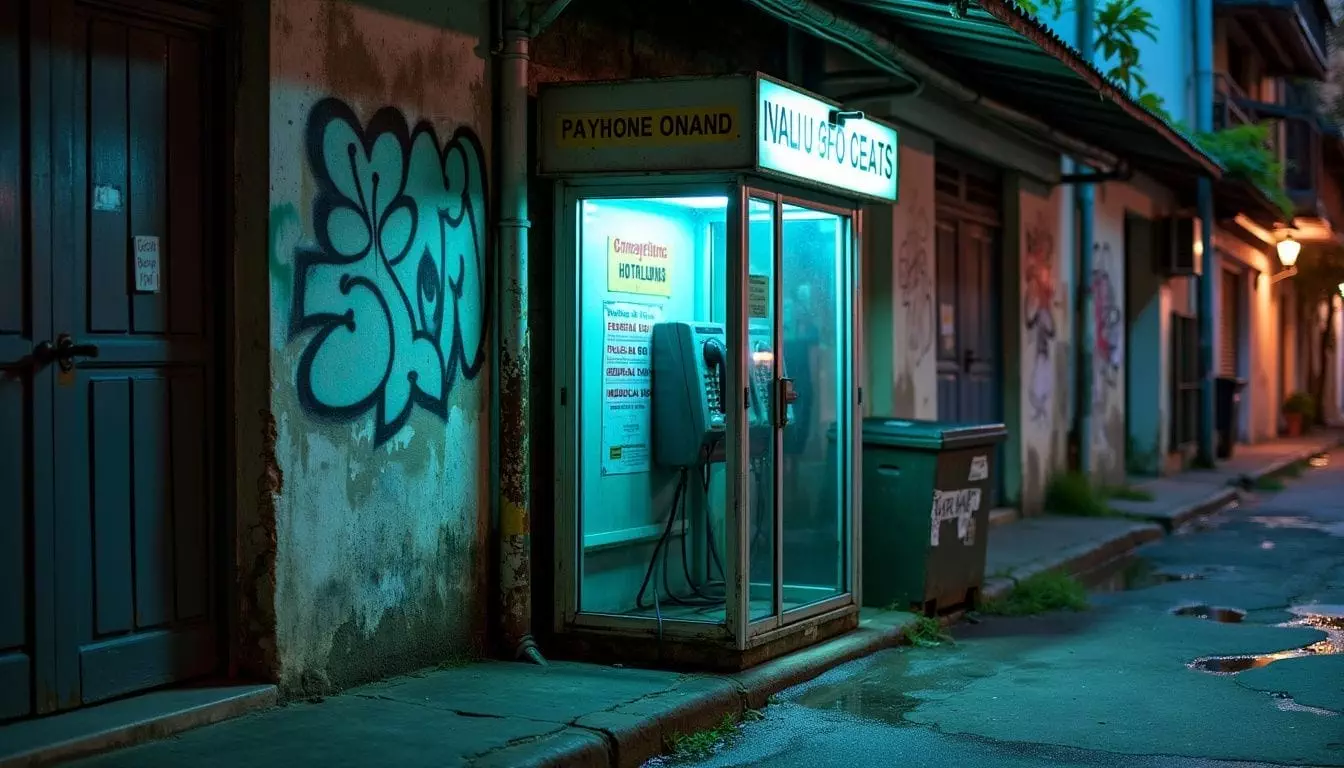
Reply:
x=689, y=393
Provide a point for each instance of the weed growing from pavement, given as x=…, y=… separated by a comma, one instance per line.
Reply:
x=1071, y=493
x=1127, y=493
x=927, y=632
x=701, y=744
x=1044, y=592
x=1270, y=483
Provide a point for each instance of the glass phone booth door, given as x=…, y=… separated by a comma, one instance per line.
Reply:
x=708, y=489
x=799, y=334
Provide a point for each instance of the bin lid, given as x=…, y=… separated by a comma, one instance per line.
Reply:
x=929, y=435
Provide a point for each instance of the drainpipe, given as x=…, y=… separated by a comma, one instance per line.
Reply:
x=1203, y=47
x=1084, y=204
x=512, y=397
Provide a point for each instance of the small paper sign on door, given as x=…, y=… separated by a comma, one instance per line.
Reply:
x=145, y=251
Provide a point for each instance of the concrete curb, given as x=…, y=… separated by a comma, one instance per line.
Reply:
x=1078, y=559
x=1278, y=465
x=146, y=728
x=632, y=733
x=1220, y=498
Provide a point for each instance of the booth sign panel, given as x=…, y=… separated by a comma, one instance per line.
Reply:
x=733, y=123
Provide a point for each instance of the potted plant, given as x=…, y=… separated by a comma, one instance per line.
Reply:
x=1299, y=410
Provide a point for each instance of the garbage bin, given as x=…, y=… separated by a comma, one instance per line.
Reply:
x=926, y=489
x=1226, y=403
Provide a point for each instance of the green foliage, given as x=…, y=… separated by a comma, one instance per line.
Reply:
x=1127, y=493
x=1245, y=152
x=1119, y=25
x=1071, y=493
x=1320, y=270
x=927, y=632
x=1048, y=591
x=1301, y=403
x=1270, y=483
x=701, y=744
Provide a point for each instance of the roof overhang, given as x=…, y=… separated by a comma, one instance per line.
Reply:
x=999, y=54
x=1289, y=33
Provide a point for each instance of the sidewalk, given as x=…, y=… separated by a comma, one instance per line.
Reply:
x=572, y=714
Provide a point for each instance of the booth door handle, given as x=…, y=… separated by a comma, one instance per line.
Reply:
x=785, y=396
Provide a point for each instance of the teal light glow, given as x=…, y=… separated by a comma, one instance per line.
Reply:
x=798, y=137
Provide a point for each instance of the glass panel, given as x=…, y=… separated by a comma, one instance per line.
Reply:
x=761, y=361
x=815, y=248
x=652, y=350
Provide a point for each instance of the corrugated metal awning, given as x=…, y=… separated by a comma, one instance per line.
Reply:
x=998, y=52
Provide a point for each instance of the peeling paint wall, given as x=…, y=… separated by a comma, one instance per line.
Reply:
x=900, y=292
x=379, y=251
x=1045, y=336
x=915, y=389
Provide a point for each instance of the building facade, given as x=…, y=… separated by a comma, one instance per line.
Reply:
x=281, y=395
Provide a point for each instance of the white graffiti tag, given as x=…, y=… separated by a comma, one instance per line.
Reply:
x=396, y=287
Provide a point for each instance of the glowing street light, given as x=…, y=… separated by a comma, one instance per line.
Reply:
x=1288, y=249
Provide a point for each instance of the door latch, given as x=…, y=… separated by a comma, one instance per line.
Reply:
x=784, y=396
x=64, y=352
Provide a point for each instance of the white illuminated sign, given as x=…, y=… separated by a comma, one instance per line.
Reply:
x=796, y=136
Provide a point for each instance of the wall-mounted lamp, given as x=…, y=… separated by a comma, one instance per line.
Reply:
x=1288, y=249
x=841, y=116
x=1341, y=290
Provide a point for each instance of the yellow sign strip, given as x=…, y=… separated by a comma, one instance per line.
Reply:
x=648, y=127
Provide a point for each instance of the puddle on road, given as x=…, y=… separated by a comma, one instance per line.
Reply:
x=1298, y=522
x=1223, y=615
x=1286, y=703
x=1327, y=618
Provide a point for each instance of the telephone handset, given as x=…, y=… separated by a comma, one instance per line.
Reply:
x=689, y=386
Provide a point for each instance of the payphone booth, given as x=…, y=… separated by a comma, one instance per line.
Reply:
x=707, y=375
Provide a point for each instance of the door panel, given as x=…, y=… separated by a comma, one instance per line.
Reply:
x=946, y=267
x=977, y=320
x=26, y=625
x=133, y=423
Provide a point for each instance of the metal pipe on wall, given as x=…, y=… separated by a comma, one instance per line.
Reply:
x=1203, y=70
x=1085, y=205
x=512, y=398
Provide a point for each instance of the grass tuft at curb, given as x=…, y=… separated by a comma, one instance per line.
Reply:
x=1041, y=593
x=700, y=744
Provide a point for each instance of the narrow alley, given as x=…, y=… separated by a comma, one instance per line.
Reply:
x=1221, y=643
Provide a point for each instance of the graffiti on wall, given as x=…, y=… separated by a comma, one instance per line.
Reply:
x=395, y=289
x=915, y=282
x=1039, y=305
x=1108, y=325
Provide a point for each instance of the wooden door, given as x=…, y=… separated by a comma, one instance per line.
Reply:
x=108, y=356
x=967, y=321
x=27, y=674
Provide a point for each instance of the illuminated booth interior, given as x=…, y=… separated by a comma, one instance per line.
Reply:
x=706, y=366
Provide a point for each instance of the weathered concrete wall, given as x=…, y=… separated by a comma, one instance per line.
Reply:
x=1046, y=333
x=900, y=291
x=379, y=250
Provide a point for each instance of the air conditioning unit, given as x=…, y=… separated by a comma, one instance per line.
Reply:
x=1175, y=253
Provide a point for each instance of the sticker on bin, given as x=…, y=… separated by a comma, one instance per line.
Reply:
x=979, y=469
x=957, y=505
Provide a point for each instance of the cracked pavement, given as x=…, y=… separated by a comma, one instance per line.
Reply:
x=1113, y=686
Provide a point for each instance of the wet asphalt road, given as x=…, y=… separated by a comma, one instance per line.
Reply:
x=1120, y=684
